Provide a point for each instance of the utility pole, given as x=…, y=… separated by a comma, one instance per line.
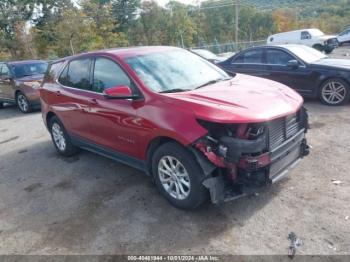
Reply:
x=237, y=3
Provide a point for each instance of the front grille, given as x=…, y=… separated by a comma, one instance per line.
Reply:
x=282, y=129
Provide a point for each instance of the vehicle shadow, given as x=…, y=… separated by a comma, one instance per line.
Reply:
x=11, y=111
x=88, y=204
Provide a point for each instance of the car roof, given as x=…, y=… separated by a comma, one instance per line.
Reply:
x=22, y=62
x=296, y=31
x=124, y=51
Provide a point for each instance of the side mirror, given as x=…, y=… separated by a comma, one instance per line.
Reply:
x=119, y=92
x=293, y=64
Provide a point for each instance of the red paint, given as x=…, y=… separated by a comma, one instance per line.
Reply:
x=216, y=160
x=130, y=126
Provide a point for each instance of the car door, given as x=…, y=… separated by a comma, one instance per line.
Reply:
x=114, y=122
x=298, y=78
x=71, y=97
x=248, y=62
x=6, y=82
x=304, y=38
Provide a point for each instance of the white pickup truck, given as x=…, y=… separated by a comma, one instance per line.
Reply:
x=310, y=37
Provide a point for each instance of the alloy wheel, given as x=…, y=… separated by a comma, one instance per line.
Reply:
x=22, y=103
x=174, y=177
x=58, y=137
x=333, y=92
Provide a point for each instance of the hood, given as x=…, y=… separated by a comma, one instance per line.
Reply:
x=31, y=78
x=326, y=37
x=243, y=99
x=338, y=63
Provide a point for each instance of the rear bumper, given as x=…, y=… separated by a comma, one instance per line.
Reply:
x=283, y=159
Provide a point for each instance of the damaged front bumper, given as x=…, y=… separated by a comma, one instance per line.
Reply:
x=254, y=173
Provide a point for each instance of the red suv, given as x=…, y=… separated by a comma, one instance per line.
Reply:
x=196, y=130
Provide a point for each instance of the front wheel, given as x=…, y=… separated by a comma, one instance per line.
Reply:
x=334, y=92
x=23, y=103
x=60, y=138
x=178, y=176
x=318, y=47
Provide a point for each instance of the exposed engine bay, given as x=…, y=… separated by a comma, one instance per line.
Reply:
x=250, y=156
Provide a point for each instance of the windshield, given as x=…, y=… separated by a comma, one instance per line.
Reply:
x=316, y=32
x=178, y=70
x=28, y=69
x=308, y=54
x=204, y=53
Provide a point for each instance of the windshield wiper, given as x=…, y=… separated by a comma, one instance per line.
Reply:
x=175, y=90
x=211, y=82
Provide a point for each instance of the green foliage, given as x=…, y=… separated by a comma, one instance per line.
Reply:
x=56, y=28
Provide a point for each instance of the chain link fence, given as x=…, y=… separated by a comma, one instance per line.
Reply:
x=231, y=47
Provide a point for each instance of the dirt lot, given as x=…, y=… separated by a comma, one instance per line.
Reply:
x=91, y=205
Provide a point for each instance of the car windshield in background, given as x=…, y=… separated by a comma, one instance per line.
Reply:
x=316, y=32
x=29, y=69
x=204, y=53
x=308, y=54
x=176, y=71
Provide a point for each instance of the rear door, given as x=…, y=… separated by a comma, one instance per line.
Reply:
x=296, y=78
x=71, y=97
x=114, y=122
x=249, y=62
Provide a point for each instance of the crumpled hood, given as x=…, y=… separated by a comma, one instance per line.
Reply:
x=34, y=78
x=326, y=37
x=339, y=63
x=244, y=99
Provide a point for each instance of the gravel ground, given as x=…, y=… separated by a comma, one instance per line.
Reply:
x=91, y=205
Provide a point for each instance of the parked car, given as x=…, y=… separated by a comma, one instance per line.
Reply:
x=309, y=37
x=306, y=70
x=206, y=54
x=344, y=37
x=19, y=82
x=177, y=117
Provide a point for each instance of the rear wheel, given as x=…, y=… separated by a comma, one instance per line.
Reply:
x=60, y=138
x=178, y=176
x=23, y=103
x=334, y=92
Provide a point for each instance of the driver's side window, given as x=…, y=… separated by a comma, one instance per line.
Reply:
x=277, y=57
x=108, y=74
x=4, y=71
x=305, y=35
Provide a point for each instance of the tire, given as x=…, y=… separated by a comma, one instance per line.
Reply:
x=1, y=105
x=189, y=176
x=60, y=138
x=318, y=47
x=23, y=103
x=334, y=92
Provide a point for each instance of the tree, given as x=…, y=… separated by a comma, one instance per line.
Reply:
x=14, y=14
x=125, y=11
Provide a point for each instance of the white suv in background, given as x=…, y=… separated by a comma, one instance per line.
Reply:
x=309, y=37
x=344, y=37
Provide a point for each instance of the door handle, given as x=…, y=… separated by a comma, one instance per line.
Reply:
x=58, y=93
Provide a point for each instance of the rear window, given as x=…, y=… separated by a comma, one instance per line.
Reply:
x=53, y=71
x=250, y=57
x=77, y=74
